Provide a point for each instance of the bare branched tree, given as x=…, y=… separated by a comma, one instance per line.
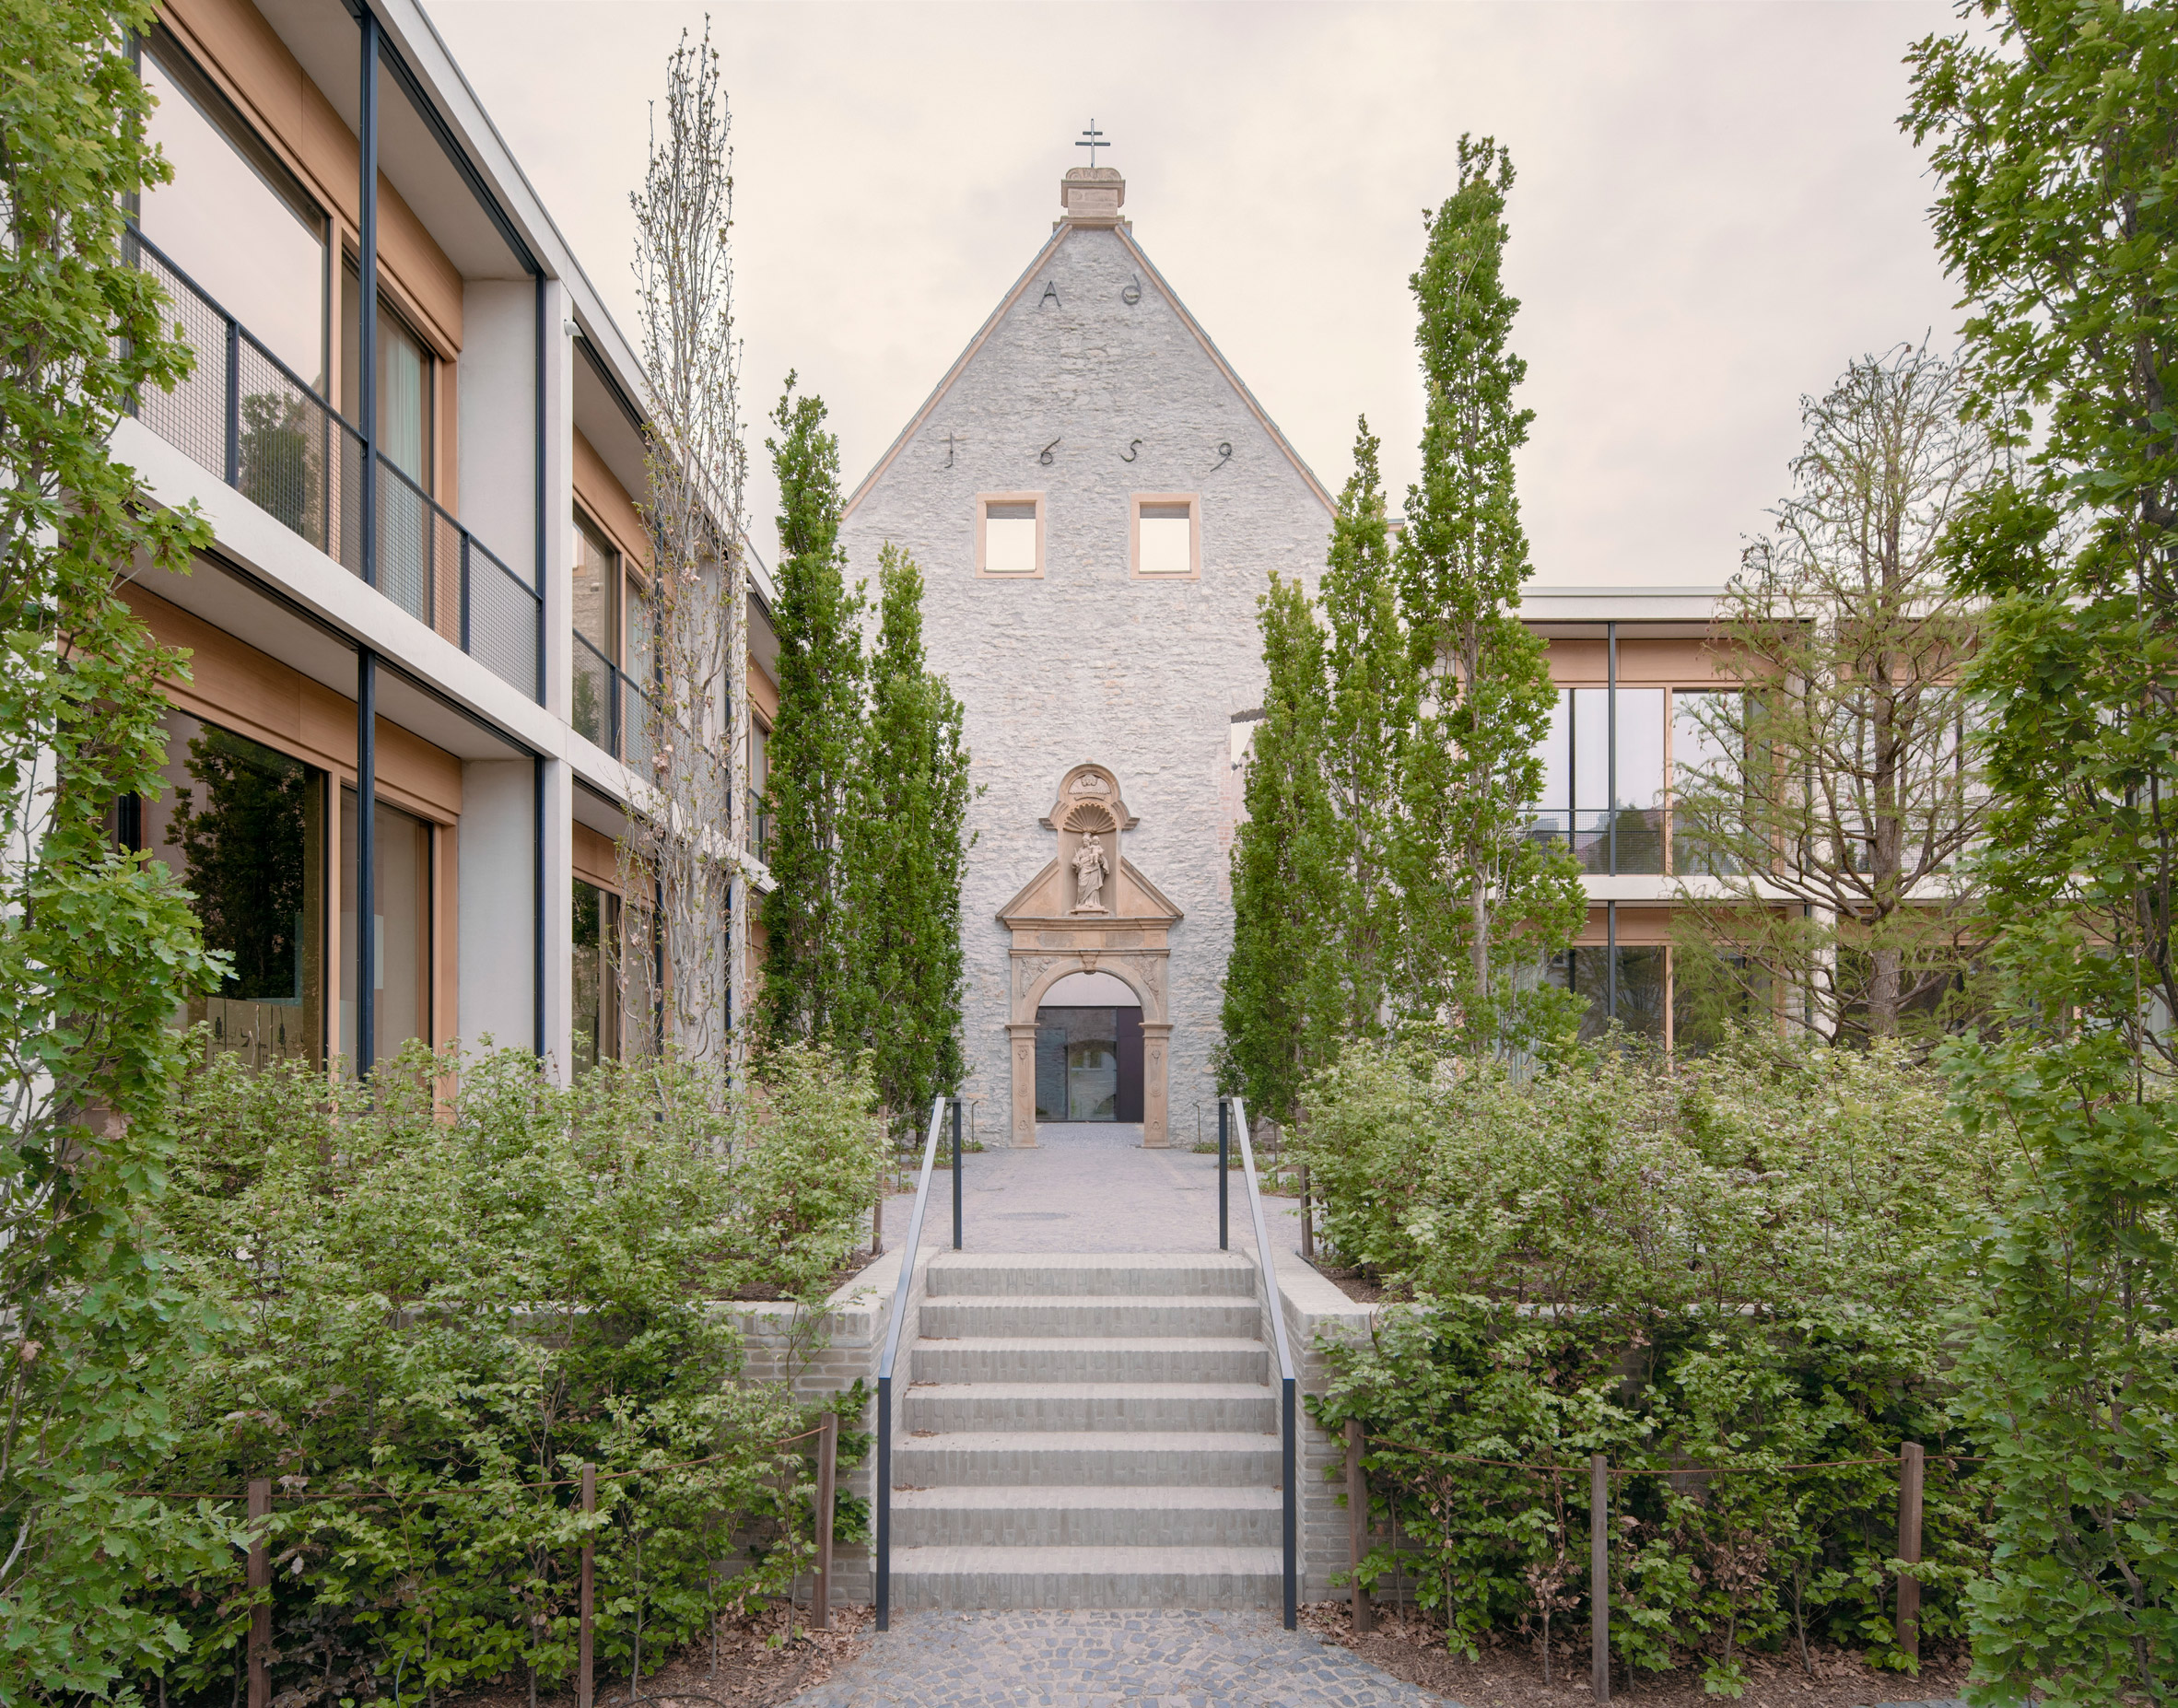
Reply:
x=683, y=866
x=1820, y=814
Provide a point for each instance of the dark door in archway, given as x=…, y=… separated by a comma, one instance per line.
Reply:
x=1129, y=1100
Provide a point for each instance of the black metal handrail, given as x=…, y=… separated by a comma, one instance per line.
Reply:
x=892, y=1346
x=1287, y=1396
x=281, y=444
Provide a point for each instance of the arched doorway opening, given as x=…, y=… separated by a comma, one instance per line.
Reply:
x=1089, y=1050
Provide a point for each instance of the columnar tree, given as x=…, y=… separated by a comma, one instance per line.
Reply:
x=809, y=955
x=682, y=862
x=906, y=846
x=2055, y=142
x=1371, y=699
x=1488, y=902
x=1839, y=783
x=97, y=947
x=1280, y=1000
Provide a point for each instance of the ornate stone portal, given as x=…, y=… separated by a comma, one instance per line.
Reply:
x=1090, y=911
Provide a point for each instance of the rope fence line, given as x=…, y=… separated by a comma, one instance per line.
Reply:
x=1676, y=1470
x=1910, y=1463
x=470, y=1487
x=258, y=1569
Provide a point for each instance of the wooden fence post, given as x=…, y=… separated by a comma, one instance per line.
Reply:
x=260, y=1582
x=1599, y=1577
x=585, y=1676
x=1357, y=1523
x=827, y=1472
x=1911, y=1467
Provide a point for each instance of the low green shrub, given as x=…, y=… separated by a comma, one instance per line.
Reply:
x=437, y=1302
x=1742, y=1263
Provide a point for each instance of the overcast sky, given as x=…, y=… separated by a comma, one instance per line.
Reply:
x=1715, y=212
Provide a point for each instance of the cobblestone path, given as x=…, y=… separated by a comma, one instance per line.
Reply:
x=1098, y=1658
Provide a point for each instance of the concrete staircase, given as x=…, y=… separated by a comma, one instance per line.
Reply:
x=1088, y=1432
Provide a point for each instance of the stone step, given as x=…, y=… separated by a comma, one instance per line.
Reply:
x=1105, y=1459
x=1217, y=1407
x=1061, y=1358
x=1162, y=1273
x=983, y=1316
x=945, y=1577
x=1011, y=1515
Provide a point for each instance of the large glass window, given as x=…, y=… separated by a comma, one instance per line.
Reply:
x=244, y=826
x=1711, y=993
x=597, y=996
x=234, y=218
x=1577, y=810
x=1638, y=990
x=407, y=537
x=1705, y=727
x=596, y=610
x=401, y=896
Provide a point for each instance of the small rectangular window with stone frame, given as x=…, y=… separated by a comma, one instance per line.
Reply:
x=1165, y=536
x=1010, y=535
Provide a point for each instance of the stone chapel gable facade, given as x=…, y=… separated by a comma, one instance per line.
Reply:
x=1096, y=503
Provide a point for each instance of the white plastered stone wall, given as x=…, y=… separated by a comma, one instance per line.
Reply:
x=1089, y=387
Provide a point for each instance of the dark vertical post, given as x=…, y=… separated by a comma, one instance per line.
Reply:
x=1610, y=962
x=1599, y=1578
x=367, y=950
x=366, y=407
x=260, y=1594
x=1290, y=1480
x=465, y=590
x=537, y=899
x=819, y=1612
x=1610, y=738
x=366, y=399
x=234, y=403
x=1307, y=1215
x=542, y=536
x=586, y=1655
x=1911, y=1465
x=1357, y=1524
x=1224, y=1163
x=884, y=1493
x=956, y=1174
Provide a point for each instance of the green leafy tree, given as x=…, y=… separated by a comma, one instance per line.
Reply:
x=1280, y=988
x=1487, y=902
x=2054, y=131
x=1839, y=779
x=808, y=930
x=906, y=846
x=1371, y=701
x=97, y=948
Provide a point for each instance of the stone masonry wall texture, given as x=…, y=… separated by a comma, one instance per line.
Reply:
x=1090, y=363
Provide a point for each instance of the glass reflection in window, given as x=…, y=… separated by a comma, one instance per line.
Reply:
x=401, y=894
x=234, y=218
x=243, y=827
x=596, y=1034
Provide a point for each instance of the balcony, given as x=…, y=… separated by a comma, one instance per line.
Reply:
x=611, y=711
x=245, y=417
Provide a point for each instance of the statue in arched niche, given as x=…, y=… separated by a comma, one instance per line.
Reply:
x=1089, y=870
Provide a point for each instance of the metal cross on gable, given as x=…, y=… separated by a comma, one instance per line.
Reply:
x=1092, y=139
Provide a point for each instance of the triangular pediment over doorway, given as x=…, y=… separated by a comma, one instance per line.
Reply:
x=1042, y=902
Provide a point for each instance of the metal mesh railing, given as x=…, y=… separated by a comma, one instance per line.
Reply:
x=245, y=417
x=597, y=694
x=639, y=728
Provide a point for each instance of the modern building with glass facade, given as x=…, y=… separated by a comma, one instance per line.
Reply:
x=419, y=644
